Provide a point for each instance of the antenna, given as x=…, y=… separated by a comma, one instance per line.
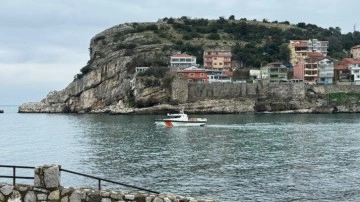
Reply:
x=354, y=27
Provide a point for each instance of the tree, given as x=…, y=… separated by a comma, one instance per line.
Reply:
x=301, y=25
x=232, y=17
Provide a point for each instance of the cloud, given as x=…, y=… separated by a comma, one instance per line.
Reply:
x=45, y=43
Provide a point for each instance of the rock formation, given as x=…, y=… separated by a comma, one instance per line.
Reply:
x=104, y=84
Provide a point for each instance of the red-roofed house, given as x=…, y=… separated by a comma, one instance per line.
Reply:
x=182, y=60
x=348, y=70
x=194, y=74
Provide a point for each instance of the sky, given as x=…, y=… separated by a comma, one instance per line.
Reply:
x=44, y=43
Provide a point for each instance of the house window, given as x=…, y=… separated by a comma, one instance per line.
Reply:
x=215, y=58
x=356, y=71
x=192, y=74
x=202, y=74
x=215, y=63
x=220, y=63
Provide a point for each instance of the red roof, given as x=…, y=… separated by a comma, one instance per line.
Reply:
x=346, y=61
x=316, y=55
x=341, y=67
x=184, y=55
x=301, y=45
x=229, y=73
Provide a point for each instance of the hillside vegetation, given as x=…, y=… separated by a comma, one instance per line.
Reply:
x=253, y=43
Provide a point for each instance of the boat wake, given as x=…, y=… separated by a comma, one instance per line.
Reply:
x=237, y=126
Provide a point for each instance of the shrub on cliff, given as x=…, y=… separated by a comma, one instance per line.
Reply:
x=157, y=72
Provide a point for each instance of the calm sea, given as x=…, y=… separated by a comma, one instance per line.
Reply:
x=268, y=157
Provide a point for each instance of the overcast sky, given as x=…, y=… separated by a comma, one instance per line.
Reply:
x=44, y=43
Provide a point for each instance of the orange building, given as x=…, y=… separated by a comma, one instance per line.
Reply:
x=217, y=59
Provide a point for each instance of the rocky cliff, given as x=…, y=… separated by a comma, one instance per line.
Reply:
x=104, y=83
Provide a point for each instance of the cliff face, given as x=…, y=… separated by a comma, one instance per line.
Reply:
x=104, y=83
x=103, y=86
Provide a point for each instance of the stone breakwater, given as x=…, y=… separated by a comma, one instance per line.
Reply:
x=47, y=188
x=28, y=193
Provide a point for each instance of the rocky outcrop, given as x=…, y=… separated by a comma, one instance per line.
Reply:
x=103, y=85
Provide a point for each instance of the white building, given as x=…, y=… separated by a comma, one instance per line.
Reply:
x=182, y=61
x=355, y=71
x=326, y=71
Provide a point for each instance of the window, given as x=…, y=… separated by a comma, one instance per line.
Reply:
x=220, y=63
x=202, y=74
x=215, y=58
x=356, y=71
x=192, y=74
x=215, y=63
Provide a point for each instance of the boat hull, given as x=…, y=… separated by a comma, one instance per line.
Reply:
x=170, y=123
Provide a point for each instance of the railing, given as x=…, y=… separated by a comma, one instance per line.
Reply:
x=14, y=177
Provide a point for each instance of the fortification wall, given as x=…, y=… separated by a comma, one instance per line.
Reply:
x=202, y=91
x=47, y=188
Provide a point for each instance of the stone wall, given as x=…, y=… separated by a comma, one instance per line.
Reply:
x=180, y=90
x=47, y=188
x=213, y=91
x=325, y=89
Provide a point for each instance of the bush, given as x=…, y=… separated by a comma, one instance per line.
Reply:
x=213, y=36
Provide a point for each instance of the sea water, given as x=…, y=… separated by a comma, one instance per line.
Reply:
x=262, y=157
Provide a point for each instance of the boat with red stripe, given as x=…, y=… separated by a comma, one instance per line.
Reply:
x=180, y=119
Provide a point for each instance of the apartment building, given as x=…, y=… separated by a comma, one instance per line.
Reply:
x=326, y=71
x=274, y=72
x=307, y=70
x=300, y=49
x=217, y=59
x=182, y=60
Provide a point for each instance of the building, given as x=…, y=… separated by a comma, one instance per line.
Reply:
x=300, y=49
x=348, y=70
x=326, y=71
x=315, y=45
x=355, y=52
x=274, y=72
x=255, y=75
x=342, y=75
x=307, y=70
x=217, y=59
x=194, y=74
x=182, y=61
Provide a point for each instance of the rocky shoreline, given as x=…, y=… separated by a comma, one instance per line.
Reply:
x=202, y=107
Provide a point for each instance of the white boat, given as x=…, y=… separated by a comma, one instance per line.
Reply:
x=180, y=119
